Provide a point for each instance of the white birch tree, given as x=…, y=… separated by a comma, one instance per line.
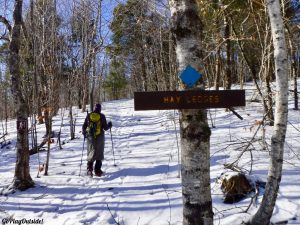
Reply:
x=194, y=129
x=264, y=213
x=22, y=179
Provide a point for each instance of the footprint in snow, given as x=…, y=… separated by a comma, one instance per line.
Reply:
x=81, y=215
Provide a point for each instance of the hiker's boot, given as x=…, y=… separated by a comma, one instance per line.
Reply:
x=90, y=169
x=99, y=173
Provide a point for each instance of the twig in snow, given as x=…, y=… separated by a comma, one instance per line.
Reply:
x=112, y=215
x=138, y=221
x=294, y=126
x=170, y=207
x=253, y=198
x=3, y=136
x=177, y=142
x=219, y=218
x=248, y=145
x=291, y=149
x=253, y=137
x=61, y=125
x=236, y=207
x=234, y=168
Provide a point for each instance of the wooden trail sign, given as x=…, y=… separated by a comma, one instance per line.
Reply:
x=188, y=99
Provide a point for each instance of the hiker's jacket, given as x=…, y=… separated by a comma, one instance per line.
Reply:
x=95, y=145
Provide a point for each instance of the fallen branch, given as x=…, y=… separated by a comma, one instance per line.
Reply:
x=258, y=184
x=234, y=168
x=253, y=198
x=253, y=137
x=36, y=149
x=235, y=113
x=3, y=136
x=294, y=91
x=112, y=215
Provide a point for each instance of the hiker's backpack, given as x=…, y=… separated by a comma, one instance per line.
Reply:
x=94, y=124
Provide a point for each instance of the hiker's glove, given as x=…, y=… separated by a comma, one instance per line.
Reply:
x=109, y=124
x=84, y=134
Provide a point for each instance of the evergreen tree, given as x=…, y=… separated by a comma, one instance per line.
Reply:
x=141, y=38
x=115, y=83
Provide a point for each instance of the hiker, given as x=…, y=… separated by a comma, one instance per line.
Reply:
x=93, y=129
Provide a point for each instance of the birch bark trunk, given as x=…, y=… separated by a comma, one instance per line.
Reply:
x=264, y=213
x=194, y=129
x=22, y=179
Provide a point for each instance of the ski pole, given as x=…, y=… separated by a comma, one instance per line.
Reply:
x=112, y=145
x=87, y=113
x=82, y=155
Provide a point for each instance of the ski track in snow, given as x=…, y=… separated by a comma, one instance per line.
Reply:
x=66, y=198
x=140, y=185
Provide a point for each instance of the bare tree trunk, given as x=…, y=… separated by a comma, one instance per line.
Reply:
x=294, y=70
x=6, y=109
x=145, y=84
x=195, y=132
x=264, y=213
x=172, y=72
x=252, y=69
x=295, y=66
x=218, y=69
x=79, y=97
x=72, y=133
x=49, y=121
x=70, y=103
x=22, y=179
x=228, y=73
x=92, y=90
x=35, y=79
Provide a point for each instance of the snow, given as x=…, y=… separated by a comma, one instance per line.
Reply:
x=144, y=188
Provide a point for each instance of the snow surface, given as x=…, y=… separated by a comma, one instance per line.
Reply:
x=144, y=188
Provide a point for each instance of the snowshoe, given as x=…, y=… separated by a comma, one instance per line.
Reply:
x=99, y=173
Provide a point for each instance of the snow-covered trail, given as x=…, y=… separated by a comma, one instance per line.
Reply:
x=139, y=187
x=145, y=177
x=141, y=184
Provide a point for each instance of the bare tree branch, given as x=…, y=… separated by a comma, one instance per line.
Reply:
x=4, y=37
x=6, y=23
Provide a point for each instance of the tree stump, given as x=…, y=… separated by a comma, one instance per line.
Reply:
x=235, y=187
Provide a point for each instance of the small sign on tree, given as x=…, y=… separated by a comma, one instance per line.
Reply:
x=22, y=124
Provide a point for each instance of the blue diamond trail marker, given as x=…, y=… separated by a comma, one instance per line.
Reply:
x=190, y=76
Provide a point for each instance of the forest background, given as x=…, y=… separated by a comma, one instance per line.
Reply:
x=80, y=52
x=77, y=55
